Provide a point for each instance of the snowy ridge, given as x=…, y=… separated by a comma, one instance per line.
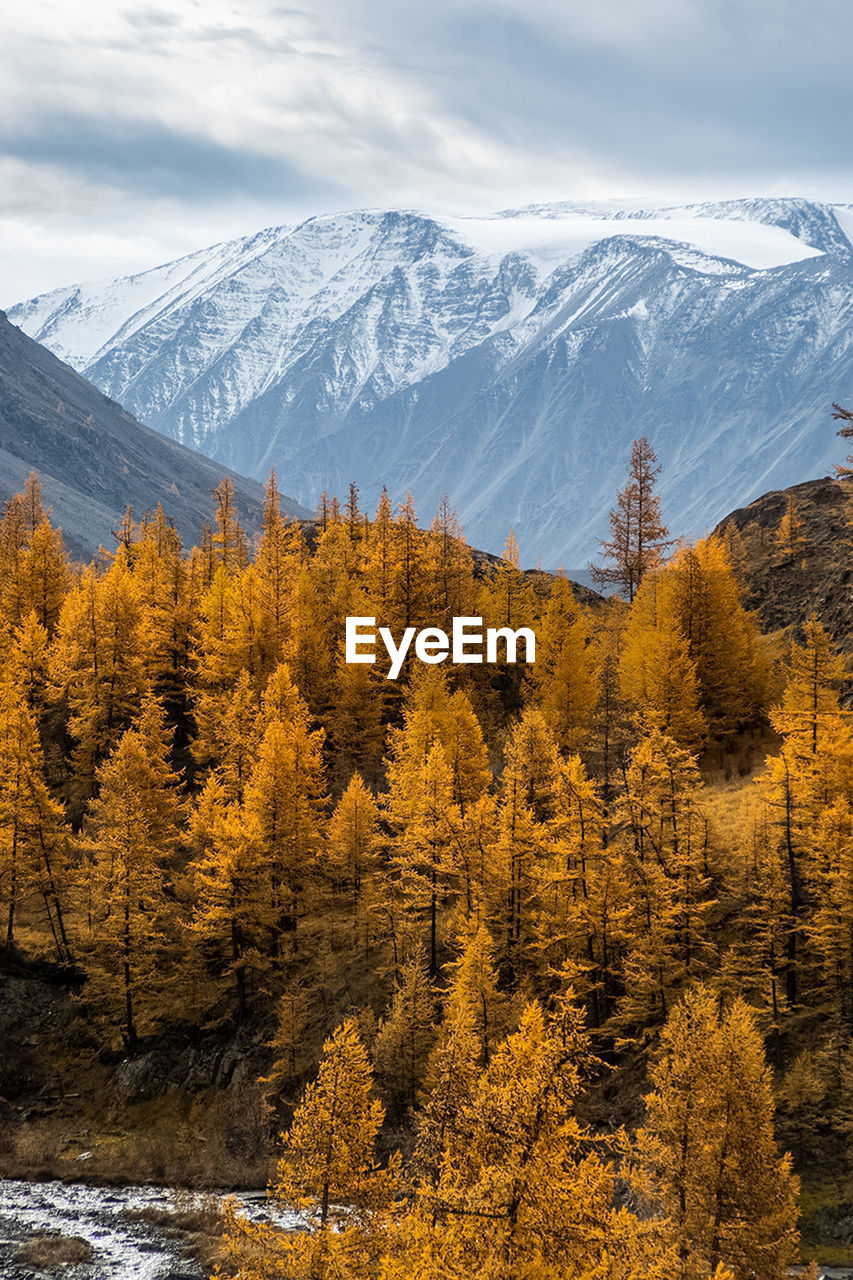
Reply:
x=507, y=359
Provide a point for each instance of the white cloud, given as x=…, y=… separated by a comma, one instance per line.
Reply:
x=138, y=126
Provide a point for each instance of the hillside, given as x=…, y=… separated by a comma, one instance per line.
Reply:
x=788, y=579
x=93, y=458
x=509, y=360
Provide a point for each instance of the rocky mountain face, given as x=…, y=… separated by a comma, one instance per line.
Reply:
x=509, y=361
x=791, y=573
x=93, y=458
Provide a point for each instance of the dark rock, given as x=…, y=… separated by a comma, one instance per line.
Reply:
x=140, y=1078
x=30, y=1016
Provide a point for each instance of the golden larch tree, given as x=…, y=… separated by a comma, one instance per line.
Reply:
x=668, y=870
x=98, y=663
x=132, y=831
x=706, y=1156
x=565, y=678
x=33, y=840
x=284, y=803
x=638, y=536
x=406, y=1035
x=328, y=1172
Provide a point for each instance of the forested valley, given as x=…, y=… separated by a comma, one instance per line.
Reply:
x=527, y=971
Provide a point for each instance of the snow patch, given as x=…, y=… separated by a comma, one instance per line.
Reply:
x=553, y=239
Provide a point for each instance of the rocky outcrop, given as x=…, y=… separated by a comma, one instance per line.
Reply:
x=789, y=578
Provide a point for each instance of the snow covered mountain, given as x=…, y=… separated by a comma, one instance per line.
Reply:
x=508, y=360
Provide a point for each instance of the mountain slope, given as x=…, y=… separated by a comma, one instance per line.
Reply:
x=93, y=458
x=508, y=360
x=787, y=583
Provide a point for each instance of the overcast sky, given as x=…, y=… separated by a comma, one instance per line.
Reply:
x=131, y=133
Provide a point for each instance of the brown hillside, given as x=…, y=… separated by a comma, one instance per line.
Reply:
x=789, y=578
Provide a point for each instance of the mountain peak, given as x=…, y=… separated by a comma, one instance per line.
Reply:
x=508, y=359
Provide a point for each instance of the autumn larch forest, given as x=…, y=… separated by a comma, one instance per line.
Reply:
x=526, y=971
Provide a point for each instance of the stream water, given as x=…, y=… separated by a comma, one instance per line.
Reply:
x=123, y=1248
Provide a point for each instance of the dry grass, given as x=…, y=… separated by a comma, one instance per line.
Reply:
x=730, y=795
x=195, y=1219
x=192, y=1213
x=730, y=807
x=200, y=1143
x=47, y=1252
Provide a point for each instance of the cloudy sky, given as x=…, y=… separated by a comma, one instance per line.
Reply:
x=130, y=133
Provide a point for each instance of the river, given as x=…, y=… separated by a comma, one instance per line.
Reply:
x=123, y=1248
